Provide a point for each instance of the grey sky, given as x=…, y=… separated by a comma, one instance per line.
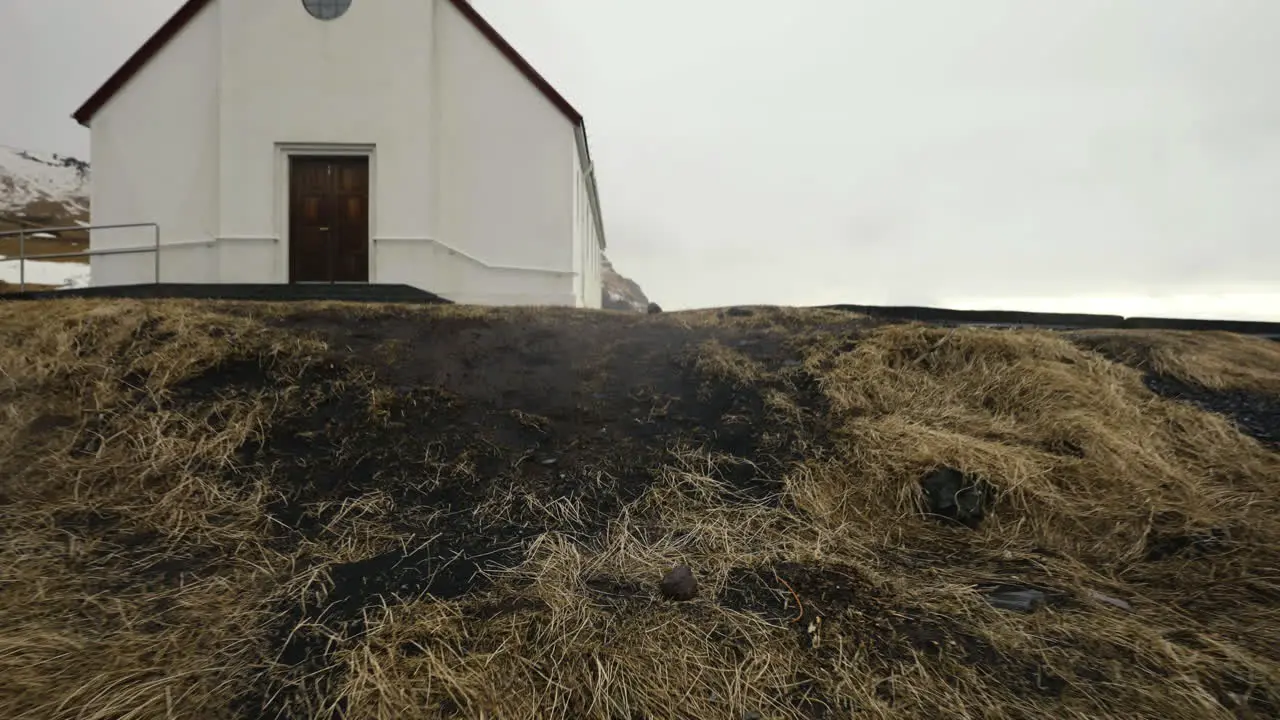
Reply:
x=877, y=151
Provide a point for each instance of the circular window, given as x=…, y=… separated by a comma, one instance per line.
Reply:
x=326, y=9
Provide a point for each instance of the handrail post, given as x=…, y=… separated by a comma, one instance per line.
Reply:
x=22, y=259
x=156, y=229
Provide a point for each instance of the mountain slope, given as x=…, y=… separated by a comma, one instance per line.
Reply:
x=621, y=292
x=42, y=187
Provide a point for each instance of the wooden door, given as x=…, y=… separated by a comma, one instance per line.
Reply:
x=328, y=219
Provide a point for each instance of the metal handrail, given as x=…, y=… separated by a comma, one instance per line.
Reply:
x=22, y=234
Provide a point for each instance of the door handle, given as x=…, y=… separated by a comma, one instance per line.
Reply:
x=324, y=229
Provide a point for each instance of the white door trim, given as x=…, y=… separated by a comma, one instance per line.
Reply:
x=286, y=151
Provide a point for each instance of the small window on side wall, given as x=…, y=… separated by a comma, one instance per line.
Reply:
x=326, y=9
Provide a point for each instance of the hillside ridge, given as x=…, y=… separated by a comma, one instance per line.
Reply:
x=345, y=510
x=39, y=185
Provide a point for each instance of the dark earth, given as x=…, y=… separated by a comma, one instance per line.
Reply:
x=496, y=411
x=1255, y=414
x=526, y=412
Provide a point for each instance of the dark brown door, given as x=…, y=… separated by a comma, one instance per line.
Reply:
x=328, y=219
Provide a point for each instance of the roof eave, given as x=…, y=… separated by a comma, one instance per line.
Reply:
x=84, y=114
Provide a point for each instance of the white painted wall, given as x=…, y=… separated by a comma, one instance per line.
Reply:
x=470, y=194
x=579, y=238
x=289, y=78
x=586, y=242
x=504, y=193
x=155, y=159
x=593, y=282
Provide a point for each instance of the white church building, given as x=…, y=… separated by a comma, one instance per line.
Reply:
x=343, y=141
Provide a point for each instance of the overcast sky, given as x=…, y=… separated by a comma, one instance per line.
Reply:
x=1102, y=155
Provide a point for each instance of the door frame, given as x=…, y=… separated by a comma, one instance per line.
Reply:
x=283, y=160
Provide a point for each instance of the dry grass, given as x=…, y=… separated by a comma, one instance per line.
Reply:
x=6, y=287
x=146, y=573
x=70, y=241
x=1214, y=360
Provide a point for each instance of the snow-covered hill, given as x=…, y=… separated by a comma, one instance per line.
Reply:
x=43, y=185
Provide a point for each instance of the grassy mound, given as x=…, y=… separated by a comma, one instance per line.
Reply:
x=244, y=511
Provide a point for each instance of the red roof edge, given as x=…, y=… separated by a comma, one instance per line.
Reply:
x=138, y=60
x=191, y=8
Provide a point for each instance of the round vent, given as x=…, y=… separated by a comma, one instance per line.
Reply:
x=326, y=9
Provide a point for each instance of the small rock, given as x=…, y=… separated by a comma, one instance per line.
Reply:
x=950, y=494
x=654, y=308
x=1016, y=599
x=679, y=583
x=752, y=715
